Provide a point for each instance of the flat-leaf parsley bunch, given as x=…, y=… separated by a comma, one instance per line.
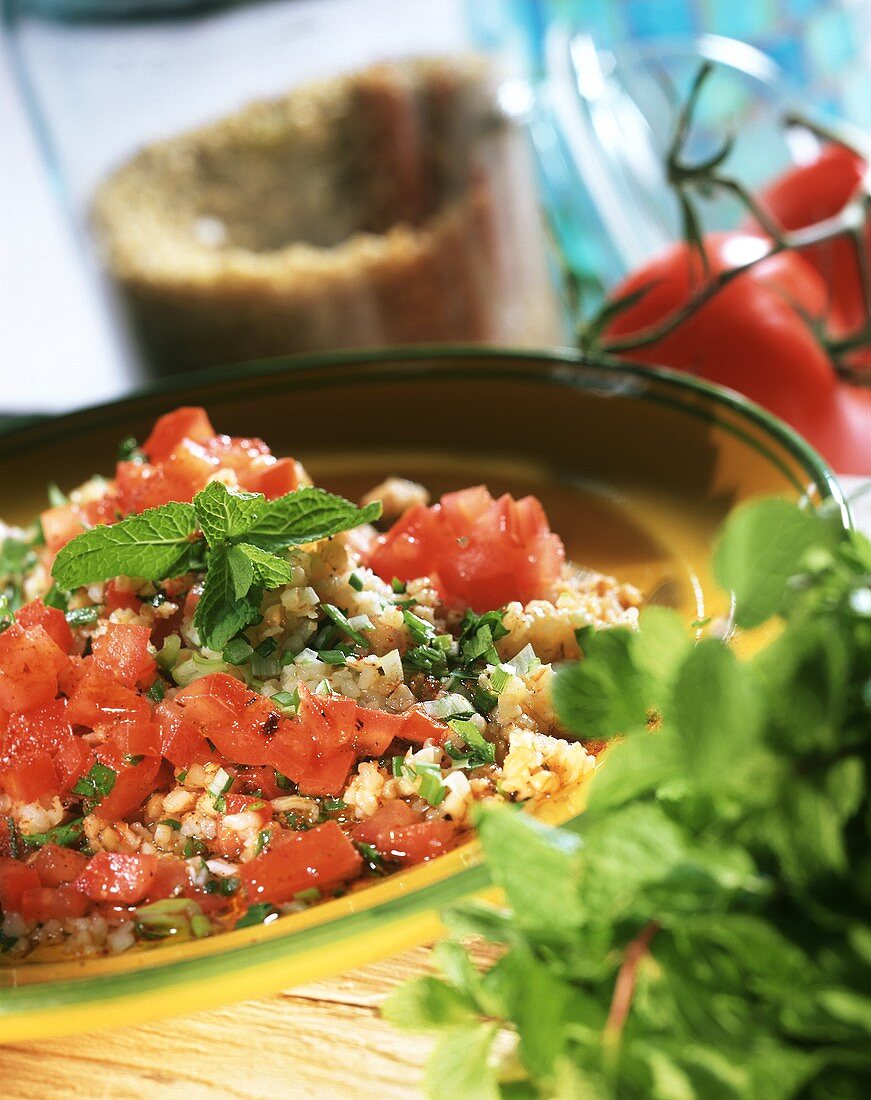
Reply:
x=702, y=930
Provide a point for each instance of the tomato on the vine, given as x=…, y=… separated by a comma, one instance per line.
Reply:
x=755, y=335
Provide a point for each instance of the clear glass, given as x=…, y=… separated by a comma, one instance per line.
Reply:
x=264, y=178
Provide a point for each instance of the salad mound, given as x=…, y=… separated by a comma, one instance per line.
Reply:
x=226, y=694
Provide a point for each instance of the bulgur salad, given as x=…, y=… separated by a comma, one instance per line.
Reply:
x=226, y=694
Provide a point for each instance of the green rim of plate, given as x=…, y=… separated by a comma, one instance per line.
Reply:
x=567, y=368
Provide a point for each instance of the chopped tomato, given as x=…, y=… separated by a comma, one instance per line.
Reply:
x=15, y=879
x=375, y=729
x=375, y=830
x=238, y=721
x=479, y=552
x=133, y=783
x=47, y=903
x=118, y=878
x=98, y=700
x=118, y=598
x=245, y=803
x=122, y=652
x=321, y=857
x=30, y=663
x=51, y=619
x=72, y=762
x=137, y=738
x=187, y=422
x=72, y=674
x=59, y=525
x=47, y=727
x=170, y=879
x=56, y=865
x=419, y=727
x=419, y=842
x=29, y=776
x=275, y=479
x=181, y=741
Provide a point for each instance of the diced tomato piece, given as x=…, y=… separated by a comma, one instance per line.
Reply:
x=275, y=479
x=329, y=719
x=15, y=880
x=375, y=729
x=260, y=779
x=118, y=878
x=188, y=422
x=480, y=552
x=51, y=619
x=29, y=776
x=136, y=738
x=59, y=525
x=122, y=652
x=72, y=674
x=170, y=879
x=321, y=857
x=326, y=773
x=98, y=700
x=419, y=842
x=72, y=762
x=133, y=783
x=375, y=829
x=181, y=741
x=118, y=598
x=30, y=663
x=241, y=723
x=56, y=865
x=419, y=727
x=46, y=727
x=53, y=903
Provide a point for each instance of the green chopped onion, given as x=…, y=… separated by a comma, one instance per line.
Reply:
x=182, y=776
x=286, y=700
x=172, y=823
x=237, y=650
x=169, y=651
x=266, y=648
x=482, y=750
x=341, y=620
x=356, y=582
x=397, y=766
x=286, y=658
x=431, y=788
x=398, y=586
x=444, y=642
x=261, y=913
x=333, y=657
x=312, y=894
x=525, y=661
x=449, y=706
x=193, y=847
x=421, y=631
x=181, y=917
x=499, y=680
x=282, y=782
x=195, y=667
x=221, y=783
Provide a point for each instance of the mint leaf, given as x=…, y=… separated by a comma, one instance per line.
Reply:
x=224, y=513
x=222, y=612
x=154, y=545
x=460, y=1065
x=269, y=571
x=427, y=1003
x=762, y=545
x=240, y=569
x=606, y=693
x=304, y=516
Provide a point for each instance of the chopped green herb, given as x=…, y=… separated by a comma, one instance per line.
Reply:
x=431, y=788
x=263, y=838
x=371, y=857
x=499, y=680
x=178, y=917
x=172, y=823
x=97, y=784
x=286, y=700
x=157, y=690
x=309, y=896
x=283, y=783
x=65, y=836
x=261, y=913
x=355, y=582
x=398, y=586
x=333, y=657
x=193, y=847
x=56, y=498
x=128, y=451
x=397, y=766
x=483, y=751
x=82, y=616
x=133, y=760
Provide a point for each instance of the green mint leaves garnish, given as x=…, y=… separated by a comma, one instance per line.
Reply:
x=244, y=534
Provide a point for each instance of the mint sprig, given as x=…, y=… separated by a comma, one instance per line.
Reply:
x=702, y=929
x=245, y=535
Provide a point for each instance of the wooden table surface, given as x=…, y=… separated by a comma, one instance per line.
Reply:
x=321, y=1041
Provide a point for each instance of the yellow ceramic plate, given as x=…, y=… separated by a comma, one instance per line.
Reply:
x=636, y=469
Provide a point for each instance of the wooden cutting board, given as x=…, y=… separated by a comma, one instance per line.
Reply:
x=321, y=1041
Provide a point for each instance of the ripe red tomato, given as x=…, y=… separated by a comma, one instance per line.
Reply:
x=51, y=619
x=135, y=780
x=417, y=843
x=56, y=865
x=53, y=903
x=15, y=880
x=117, y=878
x=752, y=337
x=30, y=663
x=811, y=193
x=121, y=651
x=480, y=552
x=321, y=857
x=375, y=830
